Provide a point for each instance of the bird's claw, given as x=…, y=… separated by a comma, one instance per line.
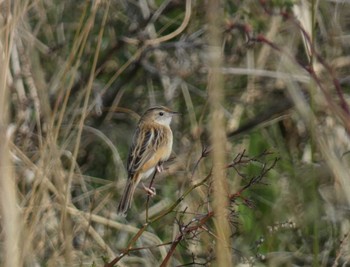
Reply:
x=151, y=191
x=160, y=167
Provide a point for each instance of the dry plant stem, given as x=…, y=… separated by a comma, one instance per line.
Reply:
x=200, y=223
x=344, y=111
x=76, y=51
x=10, y=224
x=154, y=219
x=66, y=227
x=218, y=136
x=197, y=223
x=330, y=70
x=341, y=249
x=85, y=221
x=27, y=73
x=177, y=31
x=138, y=54
x=341, y=112
x=148, y=196
x=182, y=234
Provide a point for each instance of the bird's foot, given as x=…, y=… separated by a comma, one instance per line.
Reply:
x=160, y=167
x=151, y=191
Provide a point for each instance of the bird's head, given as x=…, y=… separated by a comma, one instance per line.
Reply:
x=159, y=114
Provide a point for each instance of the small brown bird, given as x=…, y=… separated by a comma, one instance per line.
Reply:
x=151, y=146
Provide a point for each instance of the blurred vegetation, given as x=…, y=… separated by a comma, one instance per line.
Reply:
x=76, y=76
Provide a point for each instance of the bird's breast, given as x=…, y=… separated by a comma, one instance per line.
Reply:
x=168, y=146
x=162, y=151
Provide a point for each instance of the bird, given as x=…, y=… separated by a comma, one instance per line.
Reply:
x=151, y=146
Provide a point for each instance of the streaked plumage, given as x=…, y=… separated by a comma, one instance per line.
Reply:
x=152, y=144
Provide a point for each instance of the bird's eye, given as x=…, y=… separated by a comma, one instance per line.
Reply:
x=161, y=113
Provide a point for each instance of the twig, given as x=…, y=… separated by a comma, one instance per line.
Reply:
x=148, y=196
x=183, y=232
x=152, y=220
x=177, y=31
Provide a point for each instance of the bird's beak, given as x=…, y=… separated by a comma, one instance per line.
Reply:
x=175, y=113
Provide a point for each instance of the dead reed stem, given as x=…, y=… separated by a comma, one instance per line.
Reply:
x=9, y=207
x=218, y=137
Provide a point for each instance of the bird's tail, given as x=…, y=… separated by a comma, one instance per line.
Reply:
x=125, y=201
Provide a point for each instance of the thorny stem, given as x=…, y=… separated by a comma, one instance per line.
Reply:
x=152, y=220
x=187, y=229
x=344, y=111
x=344, y=106
x=182, y=234
x=205, y=152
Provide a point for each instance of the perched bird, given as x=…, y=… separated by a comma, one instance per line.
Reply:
x=151, y=146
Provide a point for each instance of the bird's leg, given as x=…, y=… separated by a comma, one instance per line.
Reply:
x=160, y=167
x=150, y=190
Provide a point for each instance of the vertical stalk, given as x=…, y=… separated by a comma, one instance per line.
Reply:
x=8, y=198
x=218, y=136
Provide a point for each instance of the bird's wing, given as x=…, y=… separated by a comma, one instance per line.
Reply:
x=145, y=142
